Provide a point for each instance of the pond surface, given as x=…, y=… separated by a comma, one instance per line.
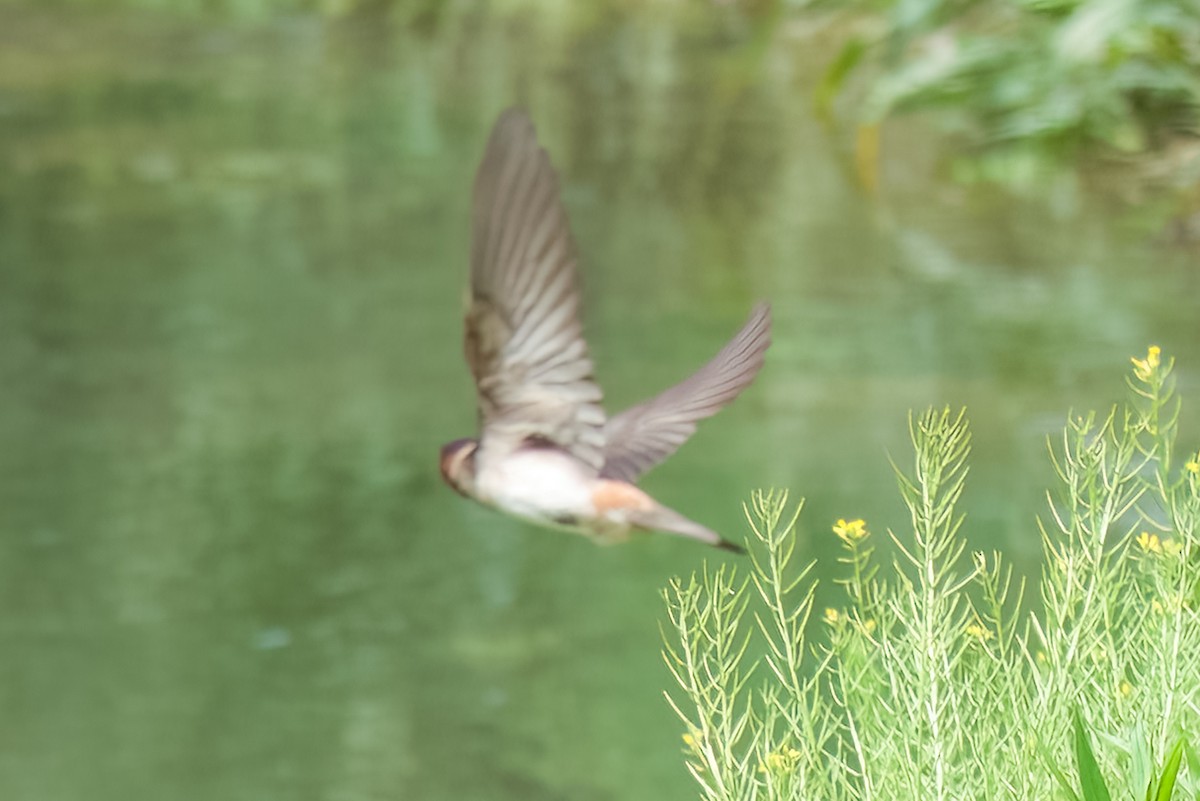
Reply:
x=232, y=257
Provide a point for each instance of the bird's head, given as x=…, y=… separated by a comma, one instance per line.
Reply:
x=458, y=465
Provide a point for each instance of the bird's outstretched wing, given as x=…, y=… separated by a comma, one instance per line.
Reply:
x=641, y=437
x=524, y=340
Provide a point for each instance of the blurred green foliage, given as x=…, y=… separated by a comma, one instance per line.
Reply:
x=1051, y=76
x=258, y=10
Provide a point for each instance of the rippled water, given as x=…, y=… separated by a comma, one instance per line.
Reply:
x=231, y=264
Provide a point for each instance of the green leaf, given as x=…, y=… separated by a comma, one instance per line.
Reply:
x=1166, y=784
x=834, y=77
x=1193, y=760
x=1091, y=781
x=1141, y=763
x=1063, y=783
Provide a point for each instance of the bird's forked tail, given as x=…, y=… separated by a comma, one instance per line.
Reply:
x=662, y=518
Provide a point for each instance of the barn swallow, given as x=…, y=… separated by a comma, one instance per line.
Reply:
x=546, y=452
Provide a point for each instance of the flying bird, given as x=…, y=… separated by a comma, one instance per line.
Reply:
x=546, y=451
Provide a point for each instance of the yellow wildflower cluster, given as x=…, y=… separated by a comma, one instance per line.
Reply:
x=1145, y=368
x=851, y=531
x=693, y=742
x=780, y=761
x=836, y=617
x=1150, y=543
x=980, y=632
x=1193, y=466
x=1169, y=605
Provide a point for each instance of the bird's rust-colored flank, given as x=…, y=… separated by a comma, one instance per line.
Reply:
x=611, y=495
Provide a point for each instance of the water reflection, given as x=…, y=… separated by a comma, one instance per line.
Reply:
x=231, y=260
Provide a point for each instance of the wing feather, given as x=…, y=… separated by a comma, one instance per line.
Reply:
x=641, y=437
x=524, y=341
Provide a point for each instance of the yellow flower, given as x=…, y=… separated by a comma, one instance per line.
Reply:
x=1193, y=466
x=832, y=616
x=851, y=531
x=1126, y=689
x=689, y=740
x=1156, y=606
x=782, y=760
x=1144, y=368
x=1149, y=542
x=1172, y=547
x=868, y=625
x=980, y=632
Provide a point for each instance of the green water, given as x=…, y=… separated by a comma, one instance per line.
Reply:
x=232, y=258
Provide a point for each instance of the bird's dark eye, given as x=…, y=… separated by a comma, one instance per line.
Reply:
x=539, y=441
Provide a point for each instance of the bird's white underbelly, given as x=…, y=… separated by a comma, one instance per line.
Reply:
x=542, y=486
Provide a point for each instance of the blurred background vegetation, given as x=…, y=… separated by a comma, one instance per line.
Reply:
x=1031, y=81
x=1021, y=85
